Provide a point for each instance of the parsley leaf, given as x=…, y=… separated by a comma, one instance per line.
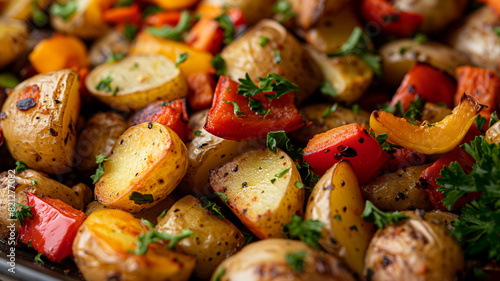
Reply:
x=21, y=211
x=296, y=260
x=39, y=16
x=38, y=258
x=219, y=64
x=308, y=231
x=100, y=169
x=355, y=108
x=114, y=57
x=277, y=56
x=129, y=31
x=386, y=146
x=493, y=119
x=248, y=237
x=124, y=3
x=219, y=274
x=151, y=10
x=222, y=197
x=284, y=9
x=181, y=58
x=280, y=174
x=380, y=219
x=480, y=121
x=64, y=11
x=329, y=110
x=227, y=25
x=163, y=213
x=140, y=199
x=105, y=84
x=496, y=29
x=328, y=90
x=154, y=236
x=20, y=166
x=175, y=33
x=237, y=111
x=211, y=207
x=420, y=38
x=263, y=41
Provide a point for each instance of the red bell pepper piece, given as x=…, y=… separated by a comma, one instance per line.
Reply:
x=206, y=35
x=390, y=20
x=222, y=121
x=482, y=84
x=172, y=114
x=201, y=90
x=349, y=142
x=53, y=227
x=122, y=15
x=404, y=158
x=429, y=175
x=163, y=18
x=430, y=83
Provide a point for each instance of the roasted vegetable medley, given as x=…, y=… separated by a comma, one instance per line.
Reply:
x=252, y=139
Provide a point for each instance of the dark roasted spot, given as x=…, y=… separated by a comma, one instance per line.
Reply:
x=400, y=196
x=245, y=211
x=361, y=140
x=26, y=104
x=342, y=183
x=53, y=132
x=326, y=151
x=235, y=169
x=57, y=101
x=244, y=184
x=411, y=89
x=150, y=125
x=348, y=152
x=337, y=156
x=3, y=115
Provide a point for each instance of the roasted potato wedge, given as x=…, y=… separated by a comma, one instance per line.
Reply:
x=149, y=159
x=414, y=249
x=114, y=41
x=13, y=186
x=268, y=260
x=13, y=40
x=492, y=135
x=101, y=250
x=39, y=123
x=217, y=238
x=261, y=190
x=348, y=75
x=87, y=22
x=22, y=9
x=253, y=10
x=246, y=55
x=398, y=191
x=337, y=202
x=98, y=137
x=476, y=38
x=314, y=114
x=399, y=55
x=136, y=81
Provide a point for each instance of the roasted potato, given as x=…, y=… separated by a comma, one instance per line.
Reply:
x=314, y=114
x=147, y=161
x=348, y=75
x=476, y=38
x=13, y=187
x=493, y=133
x=102, y=251
x=398, y=191
x=136, y=81
x=309, y=12
x=216, y=238
x=398, y=56
x=271, y=259
x=39, y=123
x=438, y=14
x=13, y=40
x=87, y=22
x=414, y=249
x=253, y=10
x=337, y=202
x=22, y=9
x=114, y=41
x=261, y=189
x=98, y=137
x=246, y=55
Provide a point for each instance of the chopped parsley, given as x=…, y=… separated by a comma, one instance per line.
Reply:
x=154, y=236
x=38, y=258
x=114, y=57
x=328, y=90
x=415, y=109
x=248, y=237
x=298, y=184
x=20, y=166
x=129, y=31
x=420, y=38
x=20, y=212
x=197, y=133
x=64, y=11
x=329, y=110
x=263, y=41
x=493, y=119
x=174, y=33
x=219, y=274
x=100, y=169
x=308, y=231
x=140, y=199
x=105, y=84
x=227, y=25
x=163, y=213
x=237, y=111
x=355, y=108
x=480, y=121
x=211, y=207
x=222, y=197
x=181, y=58
x=34, y=182
x=39, y=16
x=124, y=3
x=280, y=174
x=296, y=260
x=380, y=219
x=277, y=56
x=496, y=29
x=386, y=146
x=219, y=64
x=284, y=9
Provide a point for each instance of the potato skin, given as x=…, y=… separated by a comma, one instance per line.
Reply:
x=217, y=238
x=113, y=41
x=77, y=196
x=44, y=136
x=98, y=137
x=414, y=249
x=245, y=55
x=398, y=191
x=265, y=260
x=101, y=251
x=13, y=40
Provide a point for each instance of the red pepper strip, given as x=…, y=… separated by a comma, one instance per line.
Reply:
x=163, y=18
x=404, y=158
x=206, y=35
x=122, y=15
x=222, y=121
x=349, y=142
x=430, y=83
x=172, y=114
x=482, y=84
x=390, y=20
x=53, y=227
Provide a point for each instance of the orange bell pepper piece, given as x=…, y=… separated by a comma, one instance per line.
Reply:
x=59, y=52
x=122, y=15
x=201, y=90
x=493, y=4
x=482, y=84
x=163, y=18
x=206, y=35
x=174, y=4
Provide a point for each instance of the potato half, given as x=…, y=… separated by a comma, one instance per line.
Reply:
x=13, y=40
x=102, y=251
x=261, y=190
x=269, y=260
x=336, y=200
x=137, y=80
x=39, y=121
x=148, y=161
x=113, y=41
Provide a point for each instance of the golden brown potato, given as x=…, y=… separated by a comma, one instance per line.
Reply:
x=13, y=40
x=38, y=184
x=39, y=123
x=217, y=238
x=434, y=113
x=476, y=38
x=102, y=251
x=246, y=55
x=98, y=137
x=438, y=14
x=261, y=189
x=253, y=10
x=269, y=259
x=309, y=12
x=398, y=56
x=337, y=202
x=442, y=217
x=314, y=114
x=493, y=133
x=147, y=163
x=414, y=249
x=135, y=81
x=114, y=41
x=398, y=191
x=348, y=75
